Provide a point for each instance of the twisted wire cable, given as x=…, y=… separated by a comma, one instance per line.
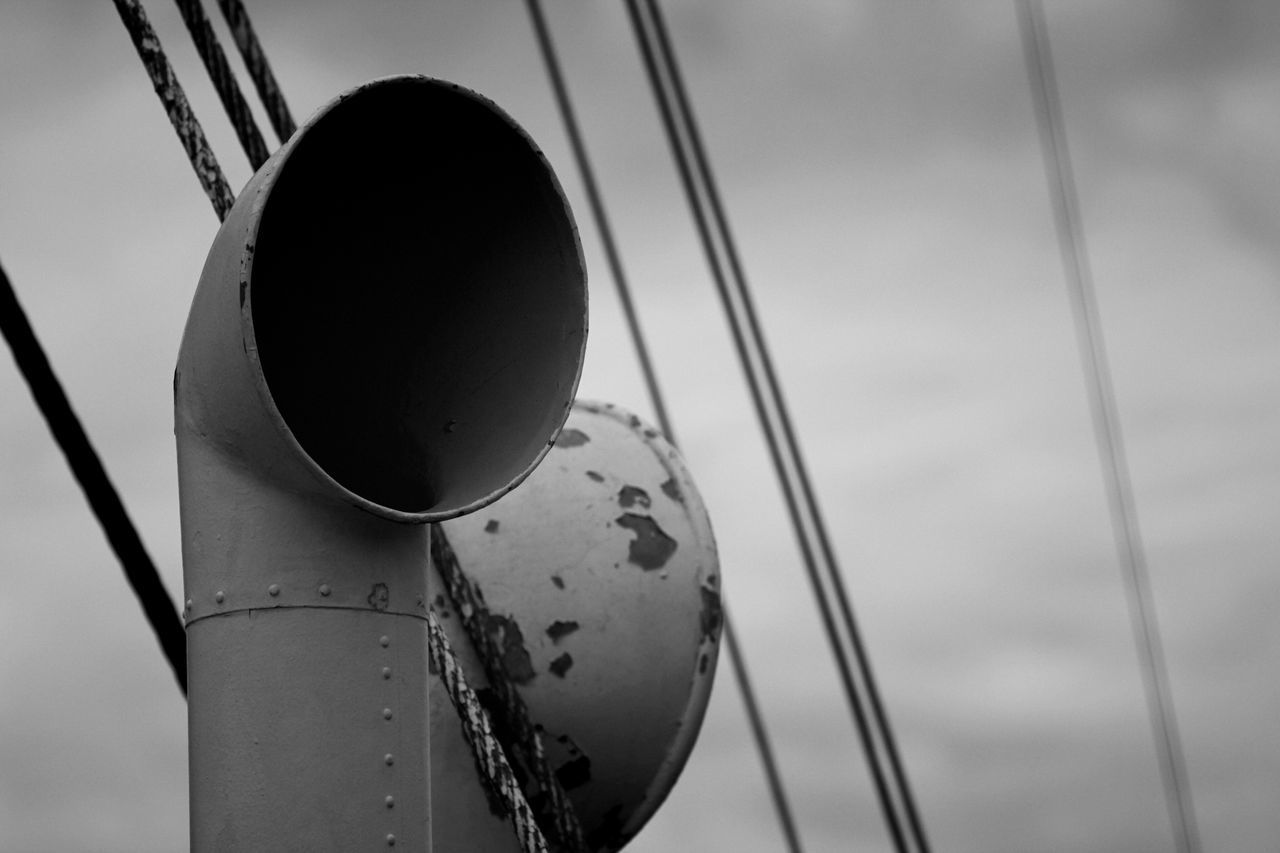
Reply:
x=255, y=60
x=224, y=82
x=176, y=106
x=484, y=744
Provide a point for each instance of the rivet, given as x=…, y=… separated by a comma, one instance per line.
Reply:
x=324, y=589
x=390, y=759
x=386, y=713
x=386, y=672
x=385, y=640
x=391, y=801
x=274, y=589
x=219, y=596
x=391, y=840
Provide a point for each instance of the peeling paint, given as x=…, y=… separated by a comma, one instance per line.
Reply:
x=571, y=438
x=515, y=657
x=561, y=665
x=652, y=547
x=561, y=628
x=379, y=597
x=491, y=526
x=712, y=615
x=672, y=490
x=558, y=581
x=632, y=495
x=599, y=478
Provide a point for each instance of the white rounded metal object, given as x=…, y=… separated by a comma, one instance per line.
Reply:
x=601, y=577
x=388, y=331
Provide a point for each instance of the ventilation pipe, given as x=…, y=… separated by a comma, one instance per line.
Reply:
x=388, y=331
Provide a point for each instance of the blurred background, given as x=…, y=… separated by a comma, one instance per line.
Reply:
x=881, y=168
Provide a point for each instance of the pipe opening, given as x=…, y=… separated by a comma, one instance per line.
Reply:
x=418, y=298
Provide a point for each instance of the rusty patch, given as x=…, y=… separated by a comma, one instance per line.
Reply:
x=632, y=495
x=652, y=547
x=672, y=490
x=561, y=665
x=558, y=581
x=491, y=526
x=561, y=628
x=515, y=657
x=380, y=597
x=574, y=773
x=599, y=478
x=572, y=438
x=712, y=616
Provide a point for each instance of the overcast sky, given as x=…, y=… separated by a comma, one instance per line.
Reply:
x=882, y=172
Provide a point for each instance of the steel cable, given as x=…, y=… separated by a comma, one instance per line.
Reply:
x=176, y=106
x=86, y=467
x=559, y=88
x=1106, y=421
x=255, y=60
x=224, y=82
x=767, y=398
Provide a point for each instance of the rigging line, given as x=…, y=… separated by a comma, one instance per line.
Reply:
x=682, y=158
x=86, y=466
x=485, y=748
x=755, y=719
x=255, y=60
x=834, y=575
x=519, y=735
x=1124, y=520
x=224, y=82
x=176, y=106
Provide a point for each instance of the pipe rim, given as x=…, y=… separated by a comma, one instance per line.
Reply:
x=271, y=173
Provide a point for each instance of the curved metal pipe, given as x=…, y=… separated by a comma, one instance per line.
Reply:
x=388, y=331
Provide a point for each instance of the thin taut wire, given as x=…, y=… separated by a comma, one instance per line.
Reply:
x=686, y=149
x=754, y=717
x=834, y=575
x=1106, y=422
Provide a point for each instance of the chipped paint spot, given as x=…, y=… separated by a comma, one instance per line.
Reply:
x=599, y=478
x=558, y=581
x=712, y=616
x=632, y=495
x=672, y=490
x=491, y=526
x=652, y=547
x=635, y=422
x=572, y=438
x=515, y=657
x=574, y=773
x=561, y=665
x=711, y=580
x=379, y=597
x=561, y=628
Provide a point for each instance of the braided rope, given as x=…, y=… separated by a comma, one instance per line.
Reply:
x=184, y=122
x=556, y=812
x=484, y=744
x=215, y=62
x=259, y=70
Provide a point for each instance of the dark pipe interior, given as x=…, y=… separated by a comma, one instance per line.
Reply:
x=418, y=297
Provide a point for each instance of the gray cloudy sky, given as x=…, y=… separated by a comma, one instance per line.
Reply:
x=882, y=171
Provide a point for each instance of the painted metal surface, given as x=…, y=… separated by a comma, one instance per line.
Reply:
x=602, y=585
x=388, y=331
